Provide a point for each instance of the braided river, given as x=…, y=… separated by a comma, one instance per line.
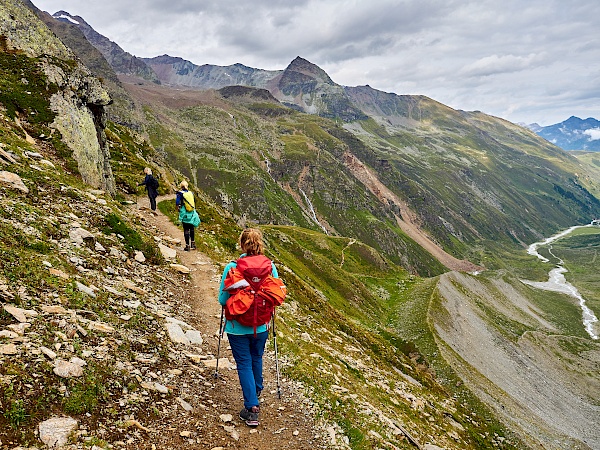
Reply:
x=558, y=283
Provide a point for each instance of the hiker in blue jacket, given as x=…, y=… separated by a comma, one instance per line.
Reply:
x=151, y=184
x=184, y=200
x=246, y=345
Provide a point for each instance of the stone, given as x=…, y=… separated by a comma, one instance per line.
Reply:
x=19, y=328
x=49, y=353
x=99, y=247
x=101, y=326
x=185, y=434
x=17, y=313
x=55, y=432
x=78, y=361
x=161, y=388
x=432, y=447
x=133, y=304
x=185, y=405
x=176, y=334
x=66, y=369
x=58, y=273
x=113, y=291
x=47, y=163
x=86, y=290
x=226, y=417
x=134, y=423
x=139, y=257
x=223, y=363
x=8, y=334
x=14, y=181
x=167, y=252
x=132, y=287
x=8, y=157
x=8, y=349
x=81, y=236
x=194, y=337
x=180, y=268
x=306, y=337
x=196, y=358
x=54, y=309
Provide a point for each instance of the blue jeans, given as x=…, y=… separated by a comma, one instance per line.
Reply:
x=248, y=352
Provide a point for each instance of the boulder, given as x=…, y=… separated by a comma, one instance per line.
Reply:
x=167, y=252
x=14, y=181
x=55, y=432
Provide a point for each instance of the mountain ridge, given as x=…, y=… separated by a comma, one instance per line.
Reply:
x=572, y=134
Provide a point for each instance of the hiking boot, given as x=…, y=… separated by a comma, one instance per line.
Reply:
x=193, y=245
x=187, y=248
x=250, y=416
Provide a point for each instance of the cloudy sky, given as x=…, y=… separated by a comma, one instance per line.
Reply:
x=523, y=60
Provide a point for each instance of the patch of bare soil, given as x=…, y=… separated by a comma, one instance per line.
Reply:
x=408, y=221
x=285, y=423
x=161, y=95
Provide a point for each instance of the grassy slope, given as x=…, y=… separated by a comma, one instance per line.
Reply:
x=224, y=148
x=476, y=172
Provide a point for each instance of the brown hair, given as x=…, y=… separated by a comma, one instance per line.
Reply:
x=251, y=241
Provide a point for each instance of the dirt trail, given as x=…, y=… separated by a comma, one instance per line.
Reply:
x=285, y=423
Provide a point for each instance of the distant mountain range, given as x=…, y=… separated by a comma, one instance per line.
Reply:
x=572, y=134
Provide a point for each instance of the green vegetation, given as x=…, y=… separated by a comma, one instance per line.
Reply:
x=131, y=238
x=24, y=89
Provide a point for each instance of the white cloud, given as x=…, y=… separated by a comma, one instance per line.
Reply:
x=593, y=133
x=494, y=64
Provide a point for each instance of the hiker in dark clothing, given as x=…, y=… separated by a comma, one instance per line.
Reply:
x=151, y=186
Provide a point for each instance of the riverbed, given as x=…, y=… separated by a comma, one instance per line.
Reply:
x=558, y=283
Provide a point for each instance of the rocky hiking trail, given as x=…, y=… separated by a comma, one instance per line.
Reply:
x=208, y=414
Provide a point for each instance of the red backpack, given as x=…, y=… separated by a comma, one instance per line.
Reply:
x=255, y=292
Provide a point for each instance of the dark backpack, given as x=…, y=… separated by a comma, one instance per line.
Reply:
x=153, y=182
x=255, y=292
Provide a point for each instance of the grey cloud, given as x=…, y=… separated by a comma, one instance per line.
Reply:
x=525, y=61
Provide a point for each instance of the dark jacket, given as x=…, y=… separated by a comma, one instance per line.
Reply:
x=148, y=182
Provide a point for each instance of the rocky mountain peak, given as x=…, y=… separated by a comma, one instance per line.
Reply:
x=308, y=69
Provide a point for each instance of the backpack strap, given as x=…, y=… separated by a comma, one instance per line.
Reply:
x=185, y=200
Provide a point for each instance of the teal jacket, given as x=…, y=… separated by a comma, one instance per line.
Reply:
x=186, y=216
x=233, y=326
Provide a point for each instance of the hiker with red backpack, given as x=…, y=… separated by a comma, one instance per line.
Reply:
x=250, y=290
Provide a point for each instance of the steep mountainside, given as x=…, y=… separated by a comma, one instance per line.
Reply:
x=121, y=61
x=121, y=109
x=572, y=134
x=55, y=92
x=469, y=175
x=450, y=179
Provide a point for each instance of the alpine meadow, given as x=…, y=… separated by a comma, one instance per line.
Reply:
x=418, y=313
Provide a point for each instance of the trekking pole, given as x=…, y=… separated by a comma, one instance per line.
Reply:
x=276, y=357
x=221, y=327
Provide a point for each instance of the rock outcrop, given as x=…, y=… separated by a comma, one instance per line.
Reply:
x=80, y=101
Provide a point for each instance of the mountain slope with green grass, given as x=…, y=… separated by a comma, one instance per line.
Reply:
x=380, y=346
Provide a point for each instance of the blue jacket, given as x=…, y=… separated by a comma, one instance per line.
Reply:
x=233, y=326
